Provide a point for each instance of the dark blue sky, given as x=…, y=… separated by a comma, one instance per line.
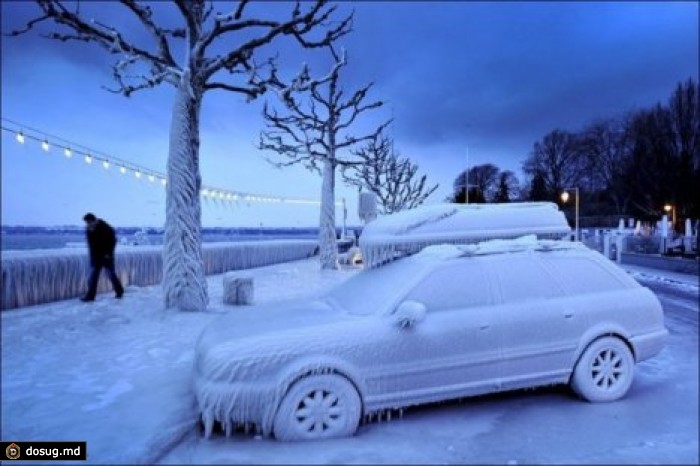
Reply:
x=483, y=78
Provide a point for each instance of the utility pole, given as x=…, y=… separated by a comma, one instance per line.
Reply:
x=466, y=178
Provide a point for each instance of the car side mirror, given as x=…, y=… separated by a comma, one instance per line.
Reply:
x=409, y=313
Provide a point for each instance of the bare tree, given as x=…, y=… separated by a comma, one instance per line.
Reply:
x=393, y=179
x=481, y=182
x=684, y=113
x=314, y=132
x=606, y=147
x=536, y=190
x=556, y=159
x=507, y=187
x=215, y=52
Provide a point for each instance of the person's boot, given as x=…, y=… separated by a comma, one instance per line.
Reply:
x=87, y=299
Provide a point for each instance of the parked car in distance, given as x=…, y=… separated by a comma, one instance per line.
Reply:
x=448, y=322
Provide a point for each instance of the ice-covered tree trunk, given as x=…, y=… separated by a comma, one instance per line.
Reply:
x=327, y=243
x=184, y=284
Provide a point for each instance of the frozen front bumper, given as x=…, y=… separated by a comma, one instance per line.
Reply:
x=231, y=404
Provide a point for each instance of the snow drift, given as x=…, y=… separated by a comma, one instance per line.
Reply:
x=40, y=276
x=409, y=231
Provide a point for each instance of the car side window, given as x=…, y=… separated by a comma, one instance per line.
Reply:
x=523, y=278
x=581, y=275
x=455, y=286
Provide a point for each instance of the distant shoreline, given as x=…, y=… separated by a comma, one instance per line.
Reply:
x=29, y=238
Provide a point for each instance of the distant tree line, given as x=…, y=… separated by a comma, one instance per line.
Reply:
x=631, y=165
x=485, y=183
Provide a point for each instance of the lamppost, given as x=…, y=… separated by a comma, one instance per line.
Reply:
x=565, y=198
x=671, y=208
x=466, y=179
x=345, y=218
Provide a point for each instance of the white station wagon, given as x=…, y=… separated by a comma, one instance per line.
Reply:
x=448, y=322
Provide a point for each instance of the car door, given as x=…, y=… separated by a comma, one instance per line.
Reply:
x=541, y=327
x=456, y=349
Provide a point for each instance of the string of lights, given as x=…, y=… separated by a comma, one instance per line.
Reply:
x=24, y=133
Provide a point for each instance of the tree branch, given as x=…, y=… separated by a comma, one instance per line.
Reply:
x=145, y=15
x=162, y=65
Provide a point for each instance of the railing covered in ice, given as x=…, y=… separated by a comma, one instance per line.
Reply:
x=40, y=276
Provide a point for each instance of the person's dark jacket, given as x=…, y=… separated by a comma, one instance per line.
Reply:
x=101, y=241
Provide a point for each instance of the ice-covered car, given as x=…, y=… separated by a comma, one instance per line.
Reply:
x=448, y=322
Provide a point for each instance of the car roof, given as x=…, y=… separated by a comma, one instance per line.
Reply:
x=437, y=256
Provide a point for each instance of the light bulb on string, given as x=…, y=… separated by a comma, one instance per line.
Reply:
x=222, y=195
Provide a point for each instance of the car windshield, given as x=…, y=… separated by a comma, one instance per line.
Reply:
x=373, y=291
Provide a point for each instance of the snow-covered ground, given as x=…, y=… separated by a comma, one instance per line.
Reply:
x=117, y=373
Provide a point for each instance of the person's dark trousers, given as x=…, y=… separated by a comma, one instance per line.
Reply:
x=108, y=265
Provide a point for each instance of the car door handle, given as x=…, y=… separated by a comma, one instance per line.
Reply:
x=484, y=327
x=568, y=315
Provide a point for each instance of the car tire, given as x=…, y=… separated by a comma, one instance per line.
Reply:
x=318, y=407
x=604, y=371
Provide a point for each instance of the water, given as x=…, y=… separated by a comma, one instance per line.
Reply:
x=22, y=238
x=13, y=241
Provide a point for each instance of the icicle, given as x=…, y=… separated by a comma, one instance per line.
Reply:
x=208, y=426
x=388, y=416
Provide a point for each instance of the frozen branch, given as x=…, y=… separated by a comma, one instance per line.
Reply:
x=392, y=179
x=92, y=31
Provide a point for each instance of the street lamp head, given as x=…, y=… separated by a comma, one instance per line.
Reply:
x=668, y=207
x=565, y=196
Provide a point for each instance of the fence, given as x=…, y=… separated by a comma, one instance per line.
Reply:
x=40, y=276
x=676, y=253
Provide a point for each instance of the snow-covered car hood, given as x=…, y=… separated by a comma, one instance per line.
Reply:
x=252, y=322
x=257, y=335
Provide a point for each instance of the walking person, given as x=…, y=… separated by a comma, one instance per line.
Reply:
x=101, y=242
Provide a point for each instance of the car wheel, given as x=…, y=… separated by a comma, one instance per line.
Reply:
x=605, y=370
x=318, y=407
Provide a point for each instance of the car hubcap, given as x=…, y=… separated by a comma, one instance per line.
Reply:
x=320, y=411
x=607, y=369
